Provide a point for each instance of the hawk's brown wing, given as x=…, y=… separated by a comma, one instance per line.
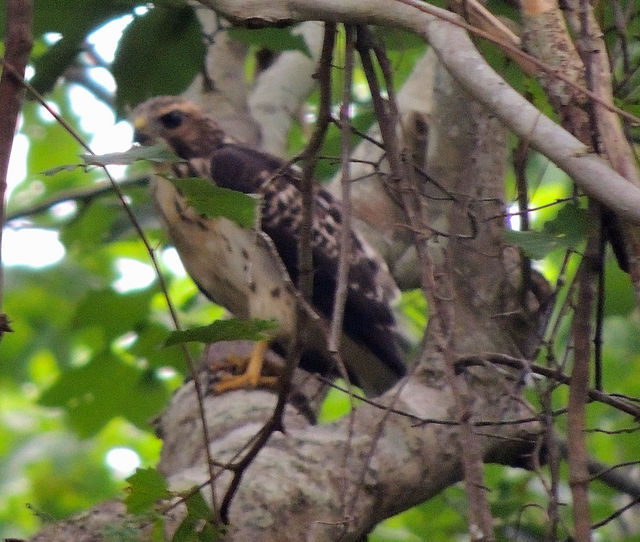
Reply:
x=368, y=316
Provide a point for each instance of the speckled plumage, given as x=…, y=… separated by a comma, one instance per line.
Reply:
x=208, y=152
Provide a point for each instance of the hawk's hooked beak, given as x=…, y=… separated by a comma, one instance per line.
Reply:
x=139, y=136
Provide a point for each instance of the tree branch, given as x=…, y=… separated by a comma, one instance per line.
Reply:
x=579, y=396
x=223, y=88
x=82, y=194
x=292, y=468
x=609, y=130
x=310, y=157
x=345, y=166
x=18, y=44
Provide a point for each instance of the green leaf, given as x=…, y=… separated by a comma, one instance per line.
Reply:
x=197, y=525
x=154, y=153
x=413, y=307
x=212, y=201
x=115, y=313
x=89, y=228
x=146, y=487
x=147, y=347
x=571, y=222
x=536, y=245
x=74, y=24
x=224, y=330
x=197, y=507
x=41, y=304
x=337, y=403
x=51, y=65
x=105, y=388
x=63, y=16
x=619, y=299
x=275, y=39
x=566, y=231
x=160, y=52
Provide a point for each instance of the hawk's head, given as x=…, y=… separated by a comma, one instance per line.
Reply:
x=181, y=124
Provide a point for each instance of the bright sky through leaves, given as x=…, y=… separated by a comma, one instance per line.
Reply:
x=35, y=247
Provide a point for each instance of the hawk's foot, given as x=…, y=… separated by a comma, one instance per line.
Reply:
x=244, y=372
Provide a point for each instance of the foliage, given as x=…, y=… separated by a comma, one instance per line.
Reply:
x=171, y=32
x=146, y=487
x=566, y=231
x=214, y=201
x=90, y=364
x=224, y=330
x=273, y=39
x=196, y=525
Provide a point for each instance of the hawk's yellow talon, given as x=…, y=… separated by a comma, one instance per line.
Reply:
x=252, y=376
x=229, y=383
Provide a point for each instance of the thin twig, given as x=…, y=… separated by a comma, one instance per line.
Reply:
x=275, y=423
x=431, y=421
x=310, y=154
x=83, y=194
x=579, y=396
x=554, y=456
x=528, y=210
x=362, y=135
x=335, y=333
x=342, y=280
x=616, y=514
x=520, y=156
x=547, y=372
x=442, y=312
x=588, y=57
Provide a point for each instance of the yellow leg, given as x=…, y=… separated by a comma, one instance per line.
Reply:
x=252, y=377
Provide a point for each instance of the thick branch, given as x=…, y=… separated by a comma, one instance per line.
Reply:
x=408, y=463
x=18, y=43
x=84, y=194
x=223, y=88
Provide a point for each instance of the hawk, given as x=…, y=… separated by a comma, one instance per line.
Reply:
x=234, y=266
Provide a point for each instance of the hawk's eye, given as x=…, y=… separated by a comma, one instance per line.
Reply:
x=172, y=120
